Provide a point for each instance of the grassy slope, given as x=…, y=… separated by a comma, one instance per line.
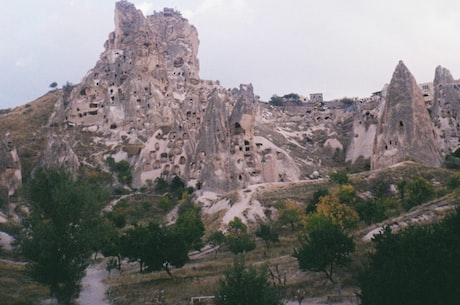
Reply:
x=17, y=288
x=26, y=124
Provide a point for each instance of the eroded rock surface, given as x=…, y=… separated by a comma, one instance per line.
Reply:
x=405, y=131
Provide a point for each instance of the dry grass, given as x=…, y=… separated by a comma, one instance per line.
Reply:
x=26, y=124
x=17, y=288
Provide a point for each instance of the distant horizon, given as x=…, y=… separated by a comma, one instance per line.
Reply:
x=338, y=49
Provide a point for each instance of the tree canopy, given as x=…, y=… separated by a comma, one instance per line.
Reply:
x=60, y=233
x=243, y=286
x=417, y=266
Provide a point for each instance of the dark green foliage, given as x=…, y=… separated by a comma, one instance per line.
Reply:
x=176, y=187
x=452, y=162
x=238, y=239
x=373, y=211
x=122, y=169
x=268, y=234
x=417, y=191
x=161, y=185
x=418, y=266
x=53, y=85
x=276, y=101
x=166, y=203
x=321, y=192
x=190, y=228
x=217, y=239
x=453, y=182
x=246, y=286
x=325, y=247
x=456, y=153
x=339, y=177
x=155, y=247
x=61, y=232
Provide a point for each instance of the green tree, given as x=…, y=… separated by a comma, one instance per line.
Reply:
x=216, y=240
x=339, y=177
x=416, y=266
x=290, y=213
x=268, y=234
x=276, y=101
x=238, y=239
x=244, y=286
x=59, y=234
x=190, y=228
x=417, y=191
x=155, y=247
x=323, y=249
x=321, y=192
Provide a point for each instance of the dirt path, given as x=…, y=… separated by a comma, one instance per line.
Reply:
x=93, y=287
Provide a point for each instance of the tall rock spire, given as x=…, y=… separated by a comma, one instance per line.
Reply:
x=405, y=131
x=446, y=109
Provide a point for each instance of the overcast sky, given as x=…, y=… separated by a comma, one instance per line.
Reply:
x=341, y=48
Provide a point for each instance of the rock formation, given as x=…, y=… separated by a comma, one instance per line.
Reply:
x=445, y=110
x=10, y=168
x=405, y=130
x=144, y=102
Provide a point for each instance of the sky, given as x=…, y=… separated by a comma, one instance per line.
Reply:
x=340, y=48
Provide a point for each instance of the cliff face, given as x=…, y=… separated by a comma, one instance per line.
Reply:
x=405, y=130
x=144, y=102
x=445, y=110
x=10, y=168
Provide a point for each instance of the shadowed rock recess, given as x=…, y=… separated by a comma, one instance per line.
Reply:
x=144, y=102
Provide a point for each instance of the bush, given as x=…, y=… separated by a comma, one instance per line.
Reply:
x=243, y=286
x=417, y=191
x=339, y=177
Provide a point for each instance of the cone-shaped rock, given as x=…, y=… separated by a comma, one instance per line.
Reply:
x=405, y=131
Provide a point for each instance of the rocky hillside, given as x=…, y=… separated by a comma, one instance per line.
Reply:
x=144, y=102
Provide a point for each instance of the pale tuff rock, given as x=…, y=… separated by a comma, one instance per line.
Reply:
x=10, y=167
x=445, y=110
x=144, y=97
x=405, y=131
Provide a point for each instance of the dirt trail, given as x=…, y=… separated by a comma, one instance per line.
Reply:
x=93, y=287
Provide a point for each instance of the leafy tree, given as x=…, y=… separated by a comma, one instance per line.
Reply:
x=190, y=228
x=339, y=177
x=134, y=245
x=346, y=194
x=53, y=85
x=276, y=101
x=416, y=266
x=165, y=247
x=166, y=203
x=122, y=169
x=59, y=234
x=217, y=239
x=268, y=234
x=161, y=185
x=155, y=247
x=311, y=208
x=338, y=213
x=290, y=213
x=324, y=248
x=244, y=286
x=373, y=211
x=453, y=182
x=417, y=191
x=238, y=239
